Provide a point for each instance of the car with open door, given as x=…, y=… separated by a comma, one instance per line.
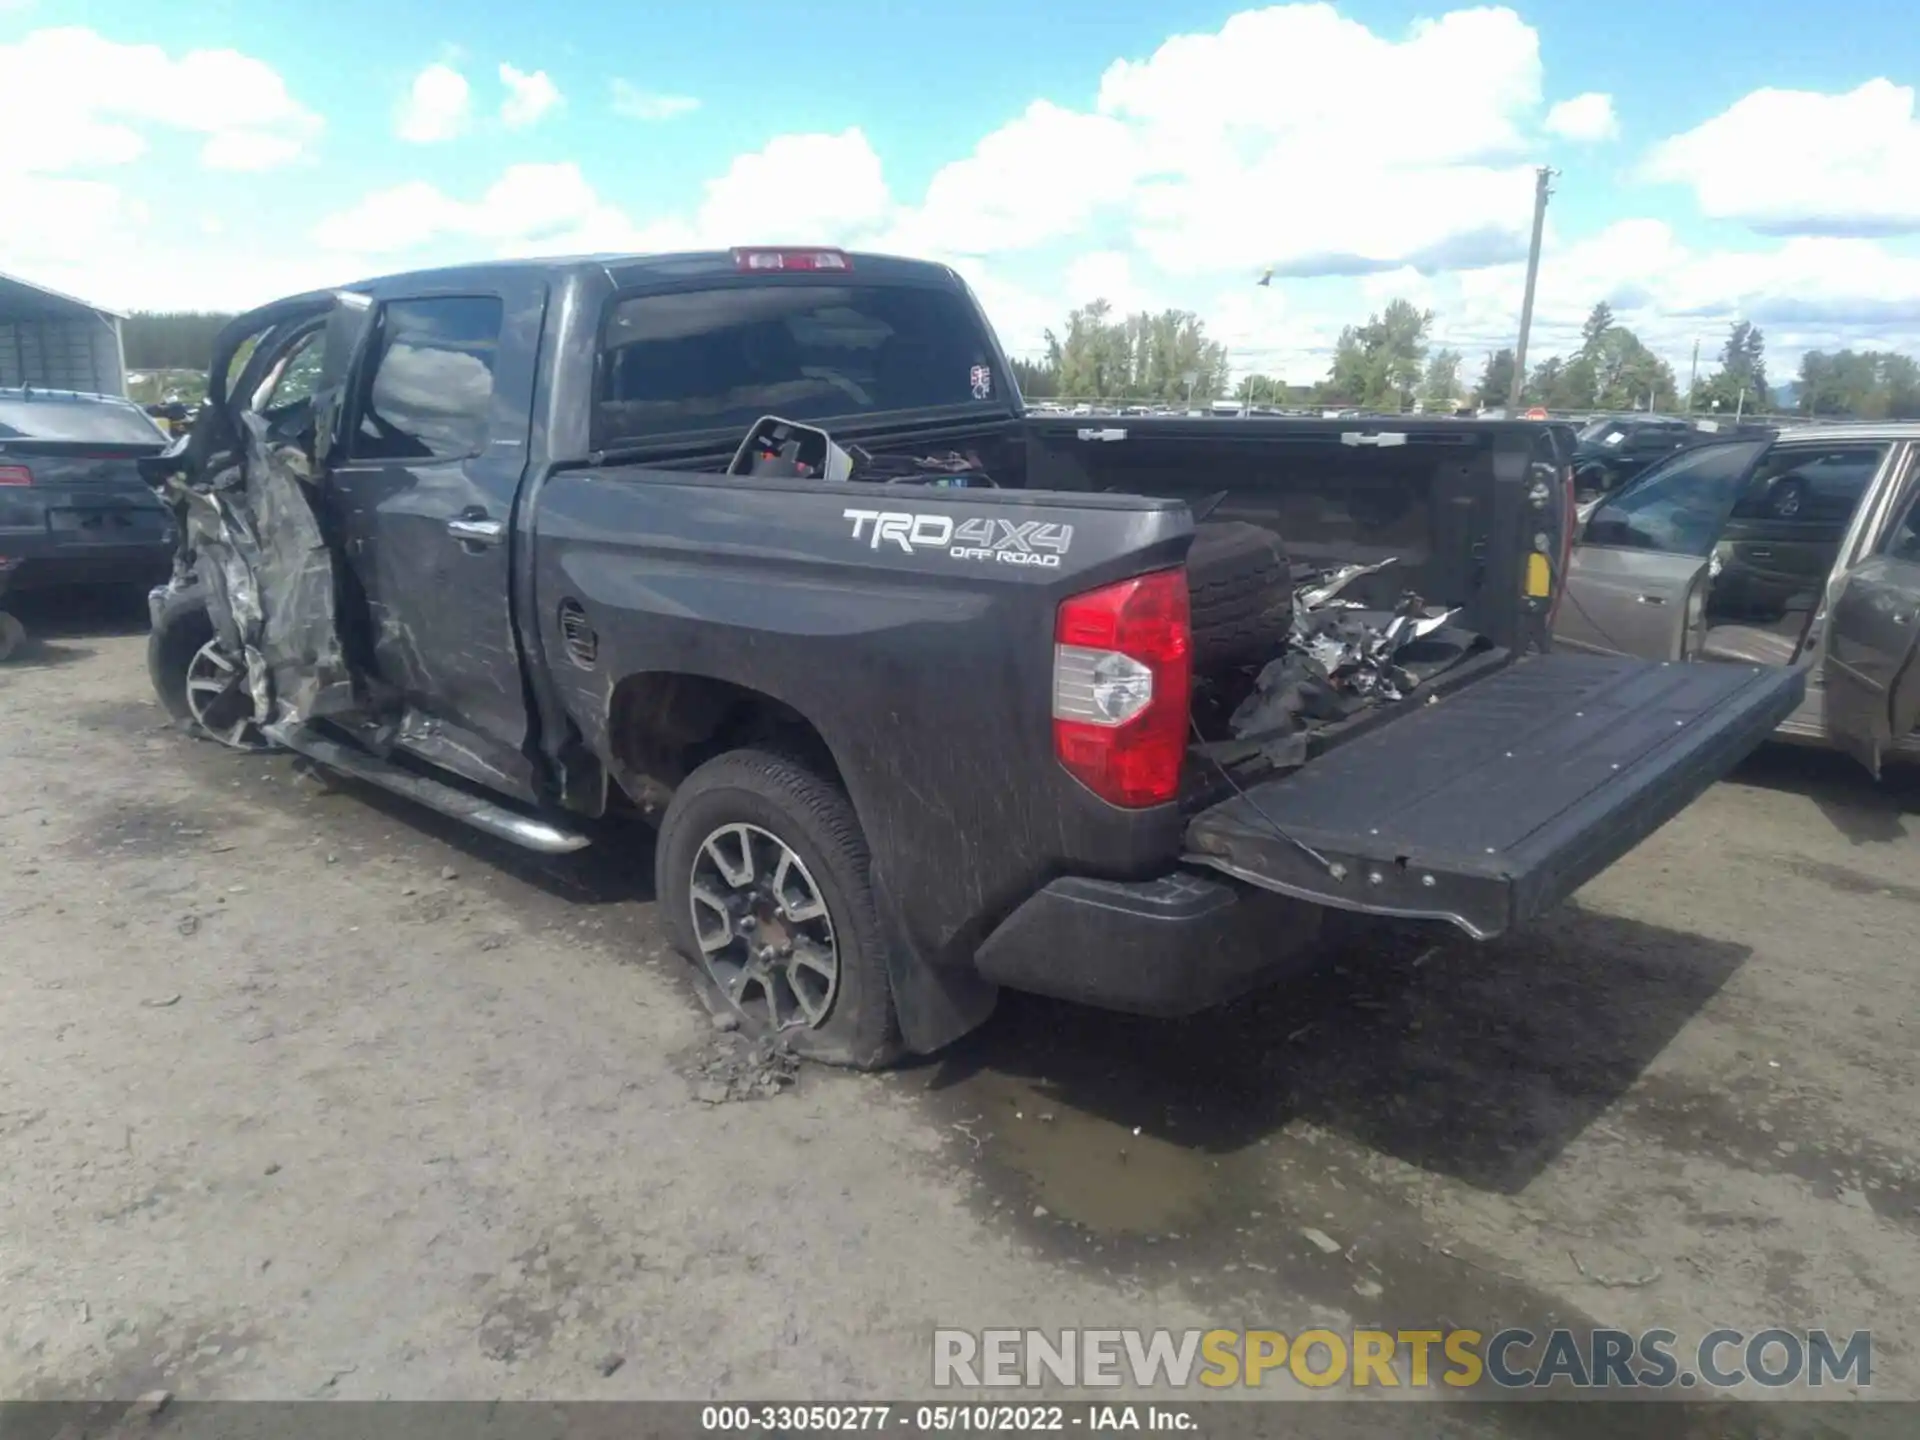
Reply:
x=1796, y=550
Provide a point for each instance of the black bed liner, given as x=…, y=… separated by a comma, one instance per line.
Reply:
x=1493, y=805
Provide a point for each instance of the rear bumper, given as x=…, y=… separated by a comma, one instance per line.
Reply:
x=144, y=566
x=1165, y=947
x=38, y=560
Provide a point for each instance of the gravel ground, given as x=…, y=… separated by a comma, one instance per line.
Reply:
x=306, y=1093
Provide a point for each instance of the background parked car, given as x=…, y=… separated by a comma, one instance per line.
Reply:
x=1611, y=449
x=74, y=509
x=1802, y=548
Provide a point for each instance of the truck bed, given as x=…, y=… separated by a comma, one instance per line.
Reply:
x=1496, y=803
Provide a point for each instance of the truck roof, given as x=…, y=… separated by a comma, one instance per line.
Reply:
x=628, y=271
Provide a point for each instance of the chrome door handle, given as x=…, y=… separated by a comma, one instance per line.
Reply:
x=476, y=532
x=1651, y=599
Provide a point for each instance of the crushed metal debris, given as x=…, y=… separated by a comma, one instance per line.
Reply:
x=1341, y=657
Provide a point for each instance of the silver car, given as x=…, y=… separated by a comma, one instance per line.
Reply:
x=1801, y=548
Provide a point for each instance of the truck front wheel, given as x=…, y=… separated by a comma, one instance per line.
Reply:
x=761, y=870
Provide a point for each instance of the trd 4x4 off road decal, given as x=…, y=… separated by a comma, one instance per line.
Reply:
x=1002, y=542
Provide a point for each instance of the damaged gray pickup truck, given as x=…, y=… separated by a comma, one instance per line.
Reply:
x=1109, y=709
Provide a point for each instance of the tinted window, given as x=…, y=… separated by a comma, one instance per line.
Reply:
x=433, y=384
x=1807, y=485
x=722, y=358
x=1903, y=541
x=1678, y=507
x=1656, y=437
x=76, y=420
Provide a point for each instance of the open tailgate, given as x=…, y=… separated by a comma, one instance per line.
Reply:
x=1494, y=804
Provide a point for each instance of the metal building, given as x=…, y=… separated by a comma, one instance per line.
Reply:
x=55, y=341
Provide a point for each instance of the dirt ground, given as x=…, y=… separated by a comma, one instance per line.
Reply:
x=306, y=1093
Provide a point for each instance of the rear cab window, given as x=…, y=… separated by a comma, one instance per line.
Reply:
x=723, y=356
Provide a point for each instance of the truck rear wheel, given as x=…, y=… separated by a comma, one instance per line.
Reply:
x=1240, y=588
x=761, y=870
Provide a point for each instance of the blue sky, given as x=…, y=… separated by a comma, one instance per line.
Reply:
x=1380, y=150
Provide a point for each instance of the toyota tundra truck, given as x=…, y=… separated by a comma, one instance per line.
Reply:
x=1115, y=709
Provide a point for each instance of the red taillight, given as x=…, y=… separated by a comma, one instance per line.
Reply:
x=761, y=258
x=1122, y=674
x=15, y=475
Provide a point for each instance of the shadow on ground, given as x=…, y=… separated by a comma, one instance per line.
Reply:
x=52, y=617
x=1477, y=1062
x=616, y=870
x=76, y=612
x=1865, y=810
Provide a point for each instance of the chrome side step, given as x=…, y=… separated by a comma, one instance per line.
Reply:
x=510, y=825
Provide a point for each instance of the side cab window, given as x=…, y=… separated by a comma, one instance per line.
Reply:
x=428, y=390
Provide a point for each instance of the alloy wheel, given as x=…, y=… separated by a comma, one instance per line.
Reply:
x=219, y=700
x=764, y=932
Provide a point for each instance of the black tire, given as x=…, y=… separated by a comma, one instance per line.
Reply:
x=1241, y=590
x=813, y=818
x=179, y=630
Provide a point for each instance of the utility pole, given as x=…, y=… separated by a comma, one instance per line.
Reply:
x=1693, y=375
x=1542, y=188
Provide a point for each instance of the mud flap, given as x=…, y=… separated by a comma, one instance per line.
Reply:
x=1493, y=805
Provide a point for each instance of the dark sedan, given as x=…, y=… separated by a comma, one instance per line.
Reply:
x=74, y=509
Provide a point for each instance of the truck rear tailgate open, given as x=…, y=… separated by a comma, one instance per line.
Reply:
x=1495, y=804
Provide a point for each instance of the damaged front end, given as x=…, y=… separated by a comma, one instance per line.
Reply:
x=244, y=487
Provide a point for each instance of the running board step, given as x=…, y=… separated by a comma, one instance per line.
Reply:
x=510, y=825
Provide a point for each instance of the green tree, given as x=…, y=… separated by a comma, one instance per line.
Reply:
x=1599, y=322
x=1543, y=387
x=1496, y=379
x=1038, y=380
x=1741, y=381
x=1262, y=390
x=1440, y=387
x=171, y=339
x=1861, y=385
x=1140, y=357
x=1378, y=365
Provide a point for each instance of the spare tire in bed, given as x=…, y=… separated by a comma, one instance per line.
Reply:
x=1241, y=591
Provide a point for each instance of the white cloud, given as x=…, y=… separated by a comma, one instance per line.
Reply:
x=248, y=150
x=1798, y=162
x=1106, y=275
x=835, y=181
x=1584, y=117
x=528, y=97
x=1215, y=150
x=437, y=106
x=830, y=186
x=637, y=104
x=1806, y=293
x=73, y=100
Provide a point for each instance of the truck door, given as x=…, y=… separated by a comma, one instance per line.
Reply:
x=1638, y=579
x=1872, y=674
x=425, y=463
